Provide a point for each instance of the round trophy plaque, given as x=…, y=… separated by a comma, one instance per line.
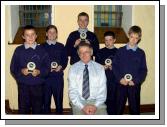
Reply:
x=108, y=62
x=83, y=35
x=128, y=77
x=31, y=66
x=54, y=65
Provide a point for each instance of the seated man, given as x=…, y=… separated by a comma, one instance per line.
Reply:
x=87, y=84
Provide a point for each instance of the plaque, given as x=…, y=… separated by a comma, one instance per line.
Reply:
x=108, y=62
x=83, y=36
x=128, y=77
x=31, y=66
x=54, y=65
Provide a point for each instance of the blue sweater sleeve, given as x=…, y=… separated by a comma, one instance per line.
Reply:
x=95, y=45
x=64, y=58
x=116, y=68
x=45, y=66
x=142, y=71
x=69, y=47
x=98, y=57
x=15, y=68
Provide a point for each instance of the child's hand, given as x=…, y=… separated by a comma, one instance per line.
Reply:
x=105, y=67
x=25, y=71
x=35, y=72
x=52, y=70
x=87, y=41
x=77, y=42
x=123, y=82
x=110, y=67
x=58, y=68
x=131, y=83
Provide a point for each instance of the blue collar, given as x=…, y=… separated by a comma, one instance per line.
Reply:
x=111, y=47
x=33, y=46
x=82, y=30
x=134, y=48
x=51, y=42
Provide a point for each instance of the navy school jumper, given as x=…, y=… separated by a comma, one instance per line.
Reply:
x=72, y=51
x=55, y=81
x=29, y=87
x=101, y=56
x=134, y=63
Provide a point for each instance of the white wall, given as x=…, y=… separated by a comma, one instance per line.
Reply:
x=127, y=17
x=14, y=10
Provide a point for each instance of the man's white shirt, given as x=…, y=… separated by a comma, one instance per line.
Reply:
x=97, y=83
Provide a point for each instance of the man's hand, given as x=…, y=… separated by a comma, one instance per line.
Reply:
x=89, y=109
x=92, y=109
x=35, y=72
x=77, y=42
x=123, y=82
x=24, y=71
x=86, y=109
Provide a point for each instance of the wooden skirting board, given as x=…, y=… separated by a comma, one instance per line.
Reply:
x=145, y=108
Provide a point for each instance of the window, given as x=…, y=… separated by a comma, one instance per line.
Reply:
x=108, y=15
x=36, y=15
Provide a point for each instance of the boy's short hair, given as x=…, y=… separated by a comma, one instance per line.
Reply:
x=136, y=30
x=50, y=27
x=109, y=33
x=29, y=27
x=83, y=14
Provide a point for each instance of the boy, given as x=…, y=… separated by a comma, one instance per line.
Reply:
x=130, y=69
x=54, y=82
x=29, y=66
x=75, y=38
x=108, y=53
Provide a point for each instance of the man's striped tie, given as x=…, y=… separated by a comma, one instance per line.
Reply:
x=85, y=88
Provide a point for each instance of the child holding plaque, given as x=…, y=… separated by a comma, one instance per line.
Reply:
x=105, y=57
x=29, y=66
x=130, y=70
x=79, y=36
x=54, y=84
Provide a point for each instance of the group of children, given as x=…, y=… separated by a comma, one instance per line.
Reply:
x=38, y=69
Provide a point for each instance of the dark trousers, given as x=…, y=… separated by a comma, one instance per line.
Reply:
x=111, y=98
x=54, y=86
x=133, y=95
x=30, y=97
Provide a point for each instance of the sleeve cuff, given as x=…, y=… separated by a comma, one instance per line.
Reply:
x=97, y=104
x=81, y=106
